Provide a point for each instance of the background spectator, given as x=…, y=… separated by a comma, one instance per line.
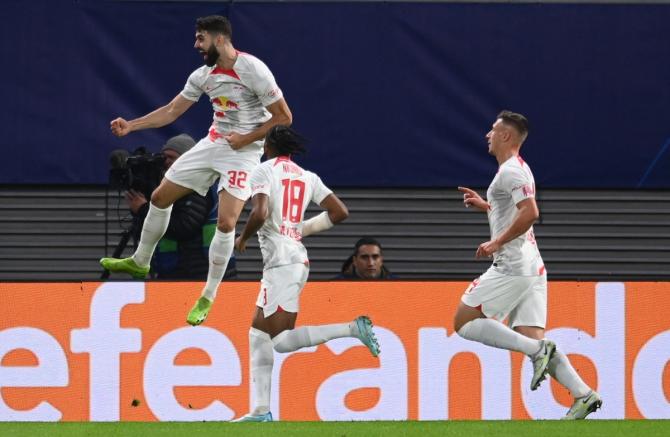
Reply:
x=367, y=262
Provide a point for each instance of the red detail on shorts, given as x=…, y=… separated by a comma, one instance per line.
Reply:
x=230, y=72
x=541, y=270
x=265, y=296
x=280, y=309
x=479, y=308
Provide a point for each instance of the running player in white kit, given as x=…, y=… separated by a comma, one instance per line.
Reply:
x=247, y=102
x=281, y=192
x=515, y=286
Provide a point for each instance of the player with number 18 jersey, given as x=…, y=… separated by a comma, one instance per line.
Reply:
x=290, y=189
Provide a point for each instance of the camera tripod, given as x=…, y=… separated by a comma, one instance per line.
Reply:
x=118, y=250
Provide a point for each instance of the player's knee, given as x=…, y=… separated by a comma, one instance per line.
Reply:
x=463, y=328
x=159, y=199
x=280, y=343
x=225, y=224
x=458, y=324
x=460, y=320
x=282, y=348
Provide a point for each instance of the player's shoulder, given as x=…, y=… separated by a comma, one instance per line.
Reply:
x=247, y=62
x=515, y=164
x=310, y=174
x=203, y=71
x=200, y=74
x=266, y=165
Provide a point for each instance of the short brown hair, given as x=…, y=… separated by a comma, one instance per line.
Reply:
x=517, y=121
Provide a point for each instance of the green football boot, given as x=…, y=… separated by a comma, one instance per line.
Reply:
x=541, y=362
x=125, y=265
x=365, y=334
x=199, y=312
x=584, y=406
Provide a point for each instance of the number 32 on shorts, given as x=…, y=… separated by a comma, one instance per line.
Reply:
x=237, y=179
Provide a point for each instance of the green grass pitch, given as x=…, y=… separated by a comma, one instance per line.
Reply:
x=590, y=428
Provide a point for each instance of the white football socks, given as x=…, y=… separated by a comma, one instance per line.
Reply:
x=561, y=369
x=305, y=336
x=220, y=251
x=493, y=333
x=262, y=360
x=155, y=225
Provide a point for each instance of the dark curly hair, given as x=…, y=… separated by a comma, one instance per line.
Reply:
x=285, y=141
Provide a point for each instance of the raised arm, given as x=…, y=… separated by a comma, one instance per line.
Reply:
x=281, y=114
x=158, y=118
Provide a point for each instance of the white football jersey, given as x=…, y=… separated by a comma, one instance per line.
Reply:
x=238, y=96
x=290, y=188
x=513, y=183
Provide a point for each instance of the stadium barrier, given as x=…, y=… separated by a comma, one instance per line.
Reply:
x=121, y=351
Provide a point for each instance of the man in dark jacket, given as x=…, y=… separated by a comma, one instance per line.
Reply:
x=182, y=252
x=367, y=262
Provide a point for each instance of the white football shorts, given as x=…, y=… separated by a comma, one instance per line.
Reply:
x=520, y=299
x=199, y=167
x=281, y=287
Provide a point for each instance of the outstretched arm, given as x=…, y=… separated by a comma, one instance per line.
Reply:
x=335, y=212
x=526, y=215
x=259, y=212
x=158, y=118
x=281, y=114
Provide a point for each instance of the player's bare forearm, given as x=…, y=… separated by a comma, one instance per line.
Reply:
x=161, y=116
x=337, y=210
x=257, y=216
x=158, y=118
x=281, y=114
x=526, y=216
x=254, y=223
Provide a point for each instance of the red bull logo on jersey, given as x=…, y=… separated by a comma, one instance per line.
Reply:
x=225, y=104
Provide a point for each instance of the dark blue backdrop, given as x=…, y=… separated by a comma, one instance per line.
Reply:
x=391, y=94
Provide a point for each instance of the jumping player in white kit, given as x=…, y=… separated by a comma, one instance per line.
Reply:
x=515, y=286
x=247, y=102
x=281, y=192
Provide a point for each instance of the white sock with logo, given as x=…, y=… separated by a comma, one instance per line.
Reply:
x=305, y=336
x=493, y=333
x=155, y=225
x=220, y=251
x=261, y=362
x=561, y=369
